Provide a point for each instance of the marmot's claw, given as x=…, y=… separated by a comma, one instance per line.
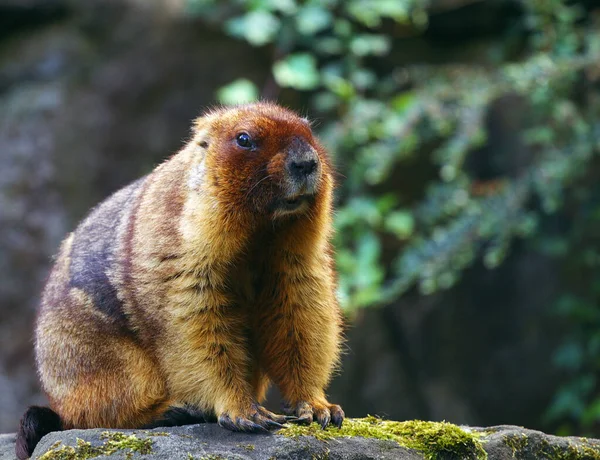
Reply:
x=280, y=419
x=323, y=413
x=241, y=424
x=337, y=415
x=290, y=418
x=259, y=420
x=273, y=425
x=306, y=420
x=250, y=426
x=323, y=416
x=226, y=422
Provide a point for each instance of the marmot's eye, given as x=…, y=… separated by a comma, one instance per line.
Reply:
x=243, y=140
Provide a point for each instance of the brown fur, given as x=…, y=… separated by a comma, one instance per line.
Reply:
x=206, y=289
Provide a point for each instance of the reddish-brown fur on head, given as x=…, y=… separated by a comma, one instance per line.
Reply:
x=260, y=178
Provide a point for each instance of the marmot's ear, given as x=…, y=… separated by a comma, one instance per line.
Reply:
x=201, y=129
x=201, y=122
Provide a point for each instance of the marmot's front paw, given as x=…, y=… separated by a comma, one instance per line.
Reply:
x=323, y=412
x=256, y=419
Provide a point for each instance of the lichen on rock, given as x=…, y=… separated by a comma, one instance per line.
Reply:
x=358, y=439
x=433, y=439
x=113, y=442
x=517, y=442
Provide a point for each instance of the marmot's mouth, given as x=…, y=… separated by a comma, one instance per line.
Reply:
x=292, y=204
x=294, y=201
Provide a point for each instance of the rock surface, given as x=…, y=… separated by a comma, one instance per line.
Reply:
x=210, y=442
x=7, y=446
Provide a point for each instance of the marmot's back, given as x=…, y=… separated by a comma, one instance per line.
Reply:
x=96, y=253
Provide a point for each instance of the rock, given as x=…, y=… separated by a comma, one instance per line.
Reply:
x=367, y=438
x=7, y=446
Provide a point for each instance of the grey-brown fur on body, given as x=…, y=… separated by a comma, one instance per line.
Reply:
x=200, y=284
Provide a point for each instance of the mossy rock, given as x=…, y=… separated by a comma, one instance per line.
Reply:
x=113, y=442
x=366, y=438
x=433, y=439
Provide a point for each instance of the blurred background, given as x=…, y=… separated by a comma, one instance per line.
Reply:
x=466, y=136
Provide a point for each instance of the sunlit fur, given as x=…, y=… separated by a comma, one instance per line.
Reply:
x=191, y=286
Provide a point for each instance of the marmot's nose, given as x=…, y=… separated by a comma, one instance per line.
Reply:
x=302, y=169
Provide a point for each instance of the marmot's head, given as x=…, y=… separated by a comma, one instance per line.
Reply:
x=262, y=158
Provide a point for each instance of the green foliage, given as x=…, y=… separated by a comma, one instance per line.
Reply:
x=576, y=406
x=381, y=120
x=297, y=71
x=238, y=92
x=378, y=122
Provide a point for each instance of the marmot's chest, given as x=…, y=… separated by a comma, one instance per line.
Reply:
x=249, y=276
x=239, y=282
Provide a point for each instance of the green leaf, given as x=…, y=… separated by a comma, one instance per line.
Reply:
x=345, y=259
x=369, y=248
x=386, y=202
x=297, y=71
x=395, y=9
x=365, y=209
x=370, y=13
x=326, y=101
x=366, y=296
x=369, y=273
x=569, y=356
x=342, y=28
x=403, y=101
x=256, y=27
x=330, y=45
x=313, y=19
x=240, y=91
x=287, y=7
x=567, y=402
x=370, y=44
x=333, y=79
x=364, y=79
x=592, y=413
x=427, y=286
x=400, y=223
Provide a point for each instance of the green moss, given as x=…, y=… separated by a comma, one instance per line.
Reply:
x=589, y=452
x=570, y=452
x=322, y=456
x=58, y=451
x=543, y=449
x=212, y=457
x=117, y=441
x=247, y=446
x=113, y=442
x=433, y=439
x=516, y=442
x=155, y=433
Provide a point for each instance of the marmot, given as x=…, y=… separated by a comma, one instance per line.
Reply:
x=193, y=288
